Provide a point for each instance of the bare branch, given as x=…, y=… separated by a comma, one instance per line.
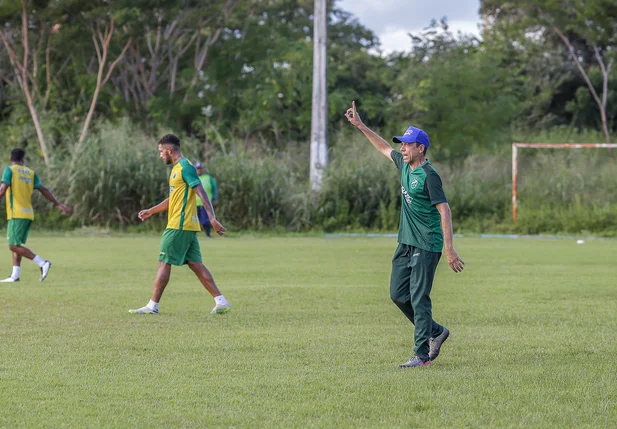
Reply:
x=110, y=33
x=96, y=43
x=100, y=35
x=21, y=71
x=47, y=70
x=155, y=56
x=12, y=56
x=169, y=29
x=580, y=67
x=601, y=103
x=24, y=37
x=142, y=71
x=112, y=65
x=35, y=60
x=66, y=62
x=201, y=52
x=600, y=61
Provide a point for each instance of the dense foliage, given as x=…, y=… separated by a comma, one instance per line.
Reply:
x=87, y=87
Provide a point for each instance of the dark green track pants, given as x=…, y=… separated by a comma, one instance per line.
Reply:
x=413, y=271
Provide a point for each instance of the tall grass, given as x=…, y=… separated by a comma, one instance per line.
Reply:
x=260, y=191
x=119, y=172
x=361, y=190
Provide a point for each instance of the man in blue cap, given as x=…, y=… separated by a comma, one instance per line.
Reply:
x=425, y=228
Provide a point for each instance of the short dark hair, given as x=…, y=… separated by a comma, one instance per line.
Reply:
x=170, y=139
x=18, y=154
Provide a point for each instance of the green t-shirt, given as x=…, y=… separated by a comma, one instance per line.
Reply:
x=421, y=190
x=209, y=185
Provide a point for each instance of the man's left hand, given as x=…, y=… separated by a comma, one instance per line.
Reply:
x=216, y=225
x=455, y=262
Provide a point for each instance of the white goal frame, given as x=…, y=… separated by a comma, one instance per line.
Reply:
x=515, y=147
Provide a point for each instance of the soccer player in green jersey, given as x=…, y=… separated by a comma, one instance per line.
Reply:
x=425, y=228
x=209, y=184
x=179, y=245
x=18, y=183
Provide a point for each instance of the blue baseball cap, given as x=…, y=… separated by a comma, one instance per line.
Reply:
x=413, y=135
x=199, y=165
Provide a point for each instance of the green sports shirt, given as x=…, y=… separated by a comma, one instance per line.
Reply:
x=210, y=187
x=421, y=190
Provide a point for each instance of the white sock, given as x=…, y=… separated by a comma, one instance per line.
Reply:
x=220, y=300
x=16, y=271
x=39, y=261
x=153, y=305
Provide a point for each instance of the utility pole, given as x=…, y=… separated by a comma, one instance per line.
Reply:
x=319, y=120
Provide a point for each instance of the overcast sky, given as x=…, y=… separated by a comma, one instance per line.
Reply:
x=391, y=20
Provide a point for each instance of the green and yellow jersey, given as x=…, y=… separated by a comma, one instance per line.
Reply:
x=22, y=181
x=182, y=210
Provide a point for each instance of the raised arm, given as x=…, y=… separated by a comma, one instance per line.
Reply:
x=379, y=143
x=161, y=207
x=201, y=193
x=455, y=262
x=48, y=195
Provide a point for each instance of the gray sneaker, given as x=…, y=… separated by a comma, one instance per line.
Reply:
x=436, y=343
x=414, y=362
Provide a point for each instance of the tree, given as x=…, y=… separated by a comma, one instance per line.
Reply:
x=25, y=76
x=240, y=67
x=464, y=92
x=588, y=29
x=102, y=28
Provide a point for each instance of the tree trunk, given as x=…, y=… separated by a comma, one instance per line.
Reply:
x=101, y=52
x=21, y=72
x=37, y=125
x=606, y=71
x=47, y=71
x=601, y=103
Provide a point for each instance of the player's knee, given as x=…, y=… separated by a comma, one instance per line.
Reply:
x=13, y=248
x=195, y=266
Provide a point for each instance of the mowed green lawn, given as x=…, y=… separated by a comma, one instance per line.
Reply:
x=313, y=339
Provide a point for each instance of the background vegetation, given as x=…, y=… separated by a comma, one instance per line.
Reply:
x=89, y=87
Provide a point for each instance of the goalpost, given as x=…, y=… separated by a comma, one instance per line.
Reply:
x=515, y=147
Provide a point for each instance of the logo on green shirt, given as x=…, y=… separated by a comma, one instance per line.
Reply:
x=406, y=195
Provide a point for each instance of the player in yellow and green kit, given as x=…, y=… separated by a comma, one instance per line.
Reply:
x=179, y=245
x=18, y=183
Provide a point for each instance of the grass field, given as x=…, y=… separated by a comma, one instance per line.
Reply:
x=313, y=339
